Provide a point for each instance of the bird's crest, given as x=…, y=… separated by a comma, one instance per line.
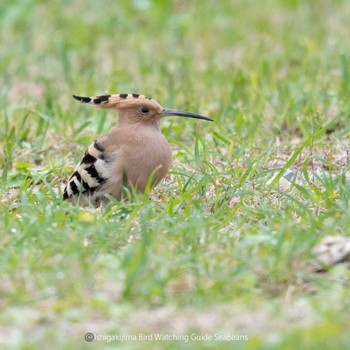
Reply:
x=114, y=101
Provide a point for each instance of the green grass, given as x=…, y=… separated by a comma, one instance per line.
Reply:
x=220, y=247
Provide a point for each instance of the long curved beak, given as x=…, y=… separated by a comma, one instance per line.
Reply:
x=169, y=112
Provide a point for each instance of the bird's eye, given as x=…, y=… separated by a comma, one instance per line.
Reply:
x=144, y=110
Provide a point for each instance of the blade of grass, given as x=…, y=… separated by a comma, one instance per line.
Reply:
x=295, y=155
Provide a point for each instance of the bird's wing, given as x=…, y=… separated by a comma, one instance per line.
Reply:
x=91, y=173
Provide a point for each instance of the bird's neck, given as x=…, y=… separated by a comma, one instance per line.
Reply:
x=134, y=123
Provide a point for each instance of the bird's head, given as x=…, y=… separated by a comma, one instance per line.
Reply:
x=135, y=108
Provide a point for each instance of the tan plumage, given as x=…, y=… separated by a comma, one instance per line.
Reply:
x=129, y=154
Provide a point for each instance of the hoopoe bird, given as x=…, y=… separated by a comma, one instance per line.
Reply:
x=130, y=154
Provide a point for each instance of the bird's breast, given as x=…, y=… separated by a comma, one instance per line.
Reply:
x=148, y=155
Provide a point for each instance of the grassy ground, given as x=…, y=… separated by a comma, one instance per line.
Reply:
x=221, y=248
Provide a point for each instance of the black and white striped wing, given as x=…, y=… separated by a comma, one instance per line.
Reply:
x=90, y=173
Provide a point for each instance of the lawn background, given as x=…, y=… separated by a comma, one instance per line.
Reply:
x=221, y=247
